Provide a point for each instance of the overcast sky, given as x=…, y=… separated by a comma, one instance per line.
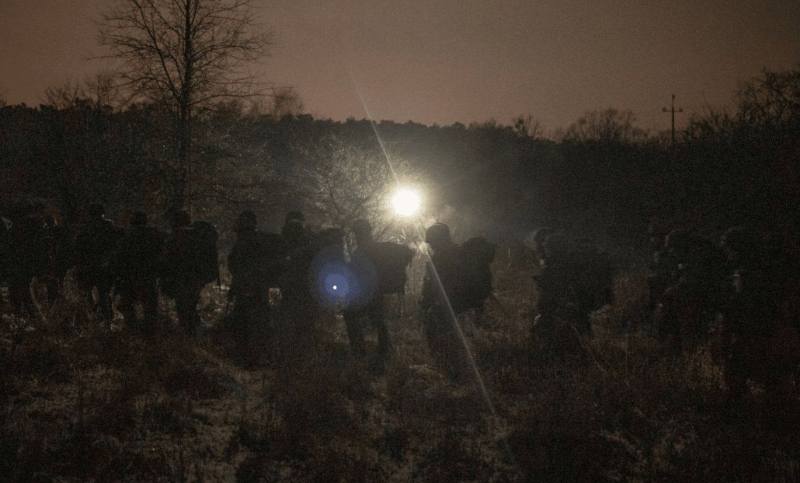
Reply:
x=446, y=61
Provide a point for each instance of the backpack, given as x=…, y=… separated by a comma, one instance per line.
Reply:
x=272, y=262
x=475, y=257
x=207, y=258
x=391, y=260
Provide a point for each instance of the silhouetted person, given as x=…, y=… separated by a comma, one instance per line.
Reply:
x=308, y=296
x=663, y=269
x=295, y=284
x=256, y=263
x=380, y=269
x=28, y=258
x=535, y=241
x=136, y=267
x=687, y=310
x=182, y=277
x=442, y=298
x=94, y=247
x=59, y=244
x=758, y=342
x=574, y=282
x=6, y=236
x=292, y=221
x=560, y=322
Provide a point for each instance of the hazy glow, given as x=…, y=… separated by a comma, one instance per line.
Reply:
x=336, y=283
x=406, y=202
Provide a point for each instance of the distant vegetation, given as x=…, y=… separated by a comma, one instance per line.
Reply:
x=604, y=176
x=82, y=402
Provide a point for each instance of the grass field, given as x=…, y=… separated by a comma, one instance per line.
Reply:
x=81, y=402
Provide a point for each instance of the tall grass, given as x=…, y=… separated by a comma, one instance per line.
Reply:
x=83, y=402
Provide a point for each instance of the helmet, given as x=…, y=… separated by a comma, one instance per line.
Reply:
x=246, y=221
x=535, y=241
x=294, y=233
x=180, y=218
x=437, y=233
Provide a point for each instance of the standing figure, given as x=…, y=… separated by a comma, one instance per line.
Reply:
x=296, y=239
x=256, y=263
x=560, y=322
x=442, y=300
x=687, y=310
x=6, y=237
x=94, y=247
x=379, y=268
x=574, y=282
x=308, y=292
x=295, y=285
x=136, y=268
x=59, y=246
x=28, y=260
x=663, y=267
x=756, y=342
x=189, y=263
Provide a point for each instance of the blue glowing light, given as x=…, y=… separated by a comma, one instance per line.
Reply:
x=336, y=284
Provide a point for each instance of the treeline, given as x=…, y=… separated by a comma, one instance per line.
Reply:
x=604, y=177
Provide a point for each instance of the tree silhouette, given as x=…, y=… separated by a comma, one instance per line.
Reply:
x=339, y=180
x=283, y=101
x=185, y=55
x=609, y=125
x=100, y=91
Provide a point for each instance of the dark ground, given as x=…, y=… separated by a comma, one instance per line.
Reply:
x=80, y=402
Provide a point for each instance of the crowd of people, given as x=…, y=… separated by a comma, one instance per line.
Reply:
x=736, y=297
x=739, y=297
x=310, y=272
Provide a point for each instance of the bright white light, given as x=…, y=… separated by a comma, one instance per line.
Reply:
x=406, y=202
x=334, y=287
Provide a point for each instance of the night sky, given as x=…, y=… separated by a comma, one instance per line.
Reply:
x=446, y=61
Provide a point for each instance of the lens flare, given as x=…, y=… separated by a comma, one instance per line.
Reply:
x=336, y=284
x=406, y=202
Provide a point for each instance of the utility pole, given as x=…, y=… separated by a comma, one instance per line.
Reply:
x=673, y=111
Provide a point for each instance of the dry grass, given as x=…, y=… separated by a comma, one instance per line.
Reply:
x=81, y=402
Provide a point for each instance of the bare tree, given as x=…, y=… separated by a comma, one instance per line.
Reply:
x=767, y=104
x=283, y=101
x=185, y=55
x=527, y=126
x=771, y=99
x=103, y=90
x=609, y=125
x=98, y=91
x=3, y=101
x=64, y=95
x=339, y=182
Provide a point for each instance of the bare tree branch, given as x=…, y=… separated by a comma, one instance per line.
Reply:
x=185, y=55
